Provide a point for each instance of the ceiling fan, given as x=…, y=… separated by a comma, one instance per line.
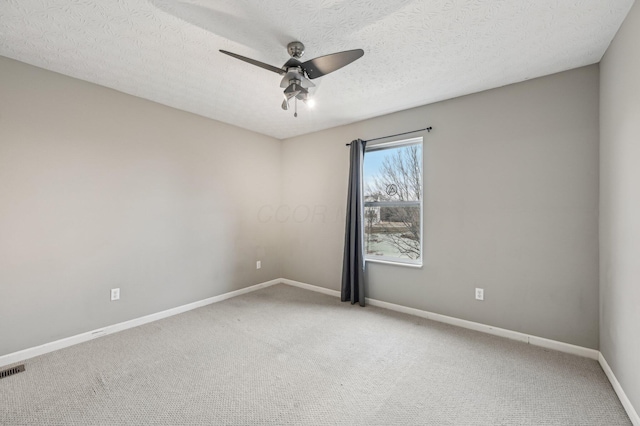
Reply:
x=297, y=75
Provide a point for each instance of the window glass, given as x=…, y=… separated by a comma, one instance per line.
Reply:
x=392, y=179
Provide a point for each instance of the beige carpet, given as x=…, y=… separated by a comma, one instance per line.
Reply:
x=286, y=356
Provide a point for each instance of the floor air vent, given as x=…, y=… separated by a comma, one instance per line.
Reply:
x=11, y=371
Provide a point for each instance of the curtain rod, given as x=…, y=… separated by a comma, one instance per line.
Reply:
x=428, y=129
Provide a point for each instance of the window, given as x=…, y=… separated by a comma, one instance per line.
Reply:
x=392, y=180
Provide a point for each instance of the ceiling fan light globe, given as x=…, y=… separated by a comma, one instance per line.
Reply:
x=290, y=95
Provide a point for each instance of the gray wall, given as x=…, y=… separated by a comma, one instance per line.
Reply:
x=99, y=189
x=620, y=206
x=511, y=205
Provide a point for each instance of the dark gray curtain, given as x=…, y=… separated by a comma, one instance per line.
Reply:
x=353, y=260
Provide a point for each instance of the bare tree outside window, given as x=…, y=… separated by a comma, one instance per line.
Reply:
x=393, y=192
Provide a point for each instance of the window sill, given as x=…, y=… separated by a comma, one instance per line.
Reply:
x=389, y=262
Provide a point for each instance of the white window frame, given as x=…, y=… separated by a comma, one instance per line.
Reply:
x=388, y=145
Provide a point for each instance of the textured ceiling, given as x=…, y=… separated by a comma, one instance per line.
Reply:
x=416, y=51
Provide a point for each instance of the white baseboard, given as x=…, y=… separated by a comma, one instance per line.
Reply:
x=509, y=334
x=83, y=337
x=488, y=329
x=311, y=287
x=631, y=412
x=110, y=329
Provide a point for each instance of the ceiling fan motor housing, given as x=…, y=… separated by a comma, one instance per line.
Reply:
x=295, y=49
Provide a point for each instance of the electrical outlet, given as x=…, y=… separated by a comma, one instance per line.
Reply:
x=115, y=294
x=258, y=264
x=479, y=294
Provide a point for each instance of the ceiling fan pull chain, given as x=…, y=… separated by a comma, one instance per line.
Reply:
x=295, y=114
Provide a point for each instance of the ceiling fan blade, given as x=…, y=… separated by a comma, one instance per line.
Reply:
x=329, y=63
x=254, y=62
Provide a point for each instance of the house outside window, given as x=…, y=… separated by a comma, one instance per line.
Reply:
x=392, y=184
